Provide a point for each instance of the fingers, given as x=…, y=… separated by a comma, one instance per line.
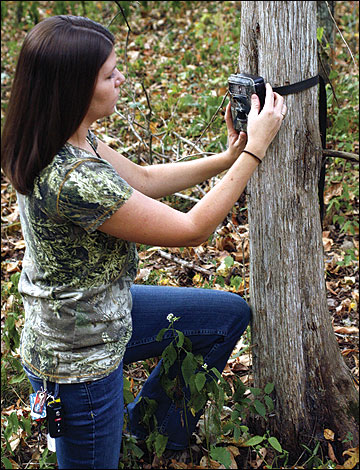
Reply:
x=279, y=105
x=228, y=111
x=274, y=101
x=242, y=137
x=269, y=97
x=228, y=117
x=278, y=102
x=255, y=105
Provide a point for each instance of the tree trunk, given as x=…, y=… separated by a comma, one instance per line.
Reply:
x=294, y=344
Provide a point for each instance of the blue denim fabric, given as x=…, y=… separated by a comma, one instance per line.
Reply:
x=213, y=320
x=94, y=413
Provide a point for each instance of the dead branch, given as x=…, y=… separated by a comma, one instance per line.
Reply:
x=188, y=198
x=353, y=157
x=185, y=264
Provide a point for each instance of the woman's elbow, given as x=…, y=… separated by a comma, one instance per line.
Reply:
x=198, y=236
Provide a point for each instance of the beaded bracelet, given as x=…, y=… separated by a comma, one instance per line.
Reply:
x=253, y=155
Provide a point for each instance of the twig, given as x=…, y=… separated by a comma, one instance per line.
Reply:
x=148, y=121
x=188, y=198
x=125, y=54
x=111, y=22
x=187, y=141
x=327, y=77
x=338, y=154
x=185, y=264
x=212, y=119
x=342, y=37
x=200, y=189
x=195, y=155
x=166, y=157
x=147, y=98
x=123, y=14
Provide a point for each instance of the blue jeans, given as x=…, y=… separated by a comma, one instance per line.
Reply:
x=213, y=320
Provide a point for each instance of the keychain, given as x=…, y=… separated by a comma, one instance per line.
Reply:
x=38, y=404
x=44, y=405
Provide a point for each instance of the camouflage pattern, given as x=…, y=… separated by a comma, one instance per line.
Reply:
x=75, y=280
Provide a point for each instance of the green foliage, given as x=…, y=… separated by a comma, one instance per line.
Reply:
x=208, y=391
x=343, y=122
x=313, y=460
x=221, y=455
x=131, y=453
x=10, y=330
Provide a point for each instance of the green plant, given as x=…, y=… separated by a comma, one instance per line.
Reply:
x=267, y=441
x=131, y=453
x=206, y=389
x=313, y=460
x=10, y=330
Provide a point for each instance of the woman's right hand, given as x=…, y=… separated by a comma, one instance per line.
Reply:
x=263, y=126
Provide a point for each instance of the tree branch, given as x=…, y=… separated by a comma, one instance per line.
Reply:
x=123, y=14
x=353, y=157
x=212, y=119
x=342, y=37
x=184, y=263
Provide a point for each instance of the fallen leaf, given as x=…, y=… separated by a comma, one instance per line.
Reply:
x=204, y=463
x=346, y=330
x=12, y=267
x=260, y=456
x=329, y=434
x=331, y=453
x=143, y=274
x=346, y=352
x=19, y=245
x=13, y=216
x=329, y=287
x=354, y=457
x=334, y=190
x=14, y=441
x=234, y=452
x=14, y=464
x=178, y=465
x=327, y=242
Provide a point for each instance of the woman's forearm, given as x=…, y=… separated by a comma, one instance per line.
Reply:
x=211, y=210
x=165, y=179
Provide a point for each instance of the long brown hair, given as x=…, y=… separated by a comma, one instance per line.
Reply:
x=53, y=85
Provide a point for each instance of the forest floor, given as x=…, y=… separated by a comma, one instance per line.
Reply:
x=172, y=57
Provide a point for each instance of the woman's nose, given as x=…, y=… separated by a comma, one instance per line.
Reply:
x=120, y=79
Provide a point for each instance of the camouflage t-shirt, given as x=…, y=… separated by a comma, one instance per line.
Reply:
x=75, y=279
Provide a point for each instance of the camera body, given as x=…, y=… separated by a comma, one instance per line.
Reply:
x=241, y=87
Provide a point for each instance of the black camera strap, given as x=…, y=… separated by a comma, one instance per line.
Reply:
x=296, y=88
x=304, y=85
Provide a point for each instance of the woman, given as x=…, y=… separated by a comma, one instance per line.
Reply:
x=83, y=206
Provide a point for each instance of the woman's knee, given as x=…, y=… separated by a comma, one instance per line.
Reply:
x=238, y=314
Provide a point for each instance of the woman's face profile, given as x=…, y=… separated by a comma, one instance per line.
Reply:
x=107, y=89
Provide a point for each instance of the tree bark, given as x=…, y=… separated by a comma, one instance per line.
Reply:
x=294, y=344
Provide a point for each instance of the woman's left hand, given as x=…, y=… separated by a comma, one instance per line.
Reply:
x=236, y=141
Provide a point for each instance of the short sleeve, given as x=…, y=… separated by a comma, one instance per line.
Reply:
x=91, y=192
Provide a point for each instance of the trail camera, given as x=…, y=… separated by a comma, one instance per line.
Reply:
x=241, y=87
